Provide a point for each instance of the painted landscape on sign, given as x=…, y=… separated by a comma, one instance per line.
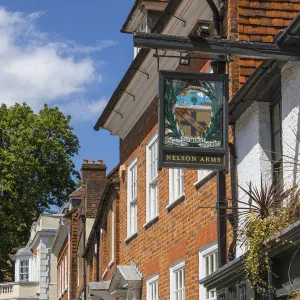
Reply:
x=193, y=113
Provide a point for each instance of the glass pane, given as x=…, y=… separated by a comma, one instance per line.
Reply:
x=216, y=260
x=152, y=292
x=181, y=279
x=206, y=266
x=181, y=181
x=211, y=257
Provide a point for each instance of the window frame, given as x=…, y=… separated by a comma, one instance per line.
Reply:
x=151, y=204
x=66, y=271
x=231, y=294
x=174, y=268
x=112, y=234
x=202, y=174
x=173, y=196
x=150, y=281
x=203, y=253
x=131, y=228
x=21, y=274
x=63, y=275
x=240, y=295
x=143, y=25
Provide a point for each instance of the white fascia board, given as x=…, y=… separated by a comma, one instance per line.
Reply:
x=145, y=90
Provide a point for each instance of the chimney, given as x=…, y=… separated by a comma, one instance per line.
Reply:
x=91, y=170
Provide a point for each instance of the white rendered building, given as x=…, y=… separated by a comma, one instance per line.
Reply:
x=35, y=265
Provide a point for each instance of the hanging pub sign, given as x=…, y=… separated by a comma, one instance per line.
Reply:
x=193, y=121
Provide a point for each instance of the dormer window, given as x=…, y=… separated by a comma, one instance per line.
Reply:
x=74, y=202
x=24, y=270
x=143, y=27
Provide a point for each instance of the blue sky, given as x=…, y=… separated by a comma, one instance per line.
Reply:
x=70, y=54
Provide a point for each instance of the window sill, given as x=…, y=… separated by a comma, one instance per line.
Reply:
x=175, y=203
x=130, y=238
x=151, y=222
x=201, y=182
x=111, y=263
x=104, y=273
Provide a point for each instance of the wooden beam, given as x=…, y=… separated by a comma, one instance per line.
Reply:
x=215, y=46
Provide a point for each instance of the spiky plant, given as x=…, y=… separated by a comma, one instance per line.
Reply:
x=295, y=295
x=261, y=223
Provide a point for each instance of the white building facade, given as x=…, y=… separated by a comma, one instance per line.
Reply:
x=35, y=265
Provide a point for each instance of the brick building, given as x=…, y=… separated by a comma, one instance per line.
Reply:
x=168, y=241
x=75, y=226
x=139, y=233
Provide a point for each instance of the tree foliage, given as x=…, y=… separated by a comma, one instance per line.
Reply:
x=36, y=170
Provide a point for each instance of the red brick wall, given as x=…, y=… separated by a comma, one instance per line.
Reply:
x=178, y=234
x=74, y=237
x=104, y=223
x=94, y=181
x=105, y=244
x=260, y=21
x=93, y=171
x=231, y=26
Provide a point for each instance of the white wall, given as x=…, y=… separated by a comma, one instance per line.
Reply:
x=253, y=137
x=290, y=82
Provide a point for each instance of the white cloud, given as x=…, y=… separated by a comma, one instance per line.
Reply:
x=36, y=69
x=82, y=110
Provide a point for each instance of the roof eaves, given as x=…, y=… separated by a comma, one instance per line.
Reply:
x=123, y=30
x=77, y=190
x=240, y=97
x=113, y=171
x=135, y=6
x=288, y=38
x=158, y=27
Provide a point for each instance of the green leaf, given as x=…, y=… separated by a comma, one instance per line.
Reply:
x=36, y=170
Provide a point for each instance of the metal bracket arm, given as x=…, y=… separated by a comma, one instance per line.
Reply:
x=214, y=46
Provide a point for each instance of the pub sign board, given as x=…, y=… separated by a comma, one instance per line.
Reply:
x=193, y=120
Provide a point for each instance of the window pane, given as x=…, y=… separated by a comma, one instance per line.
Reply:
x=153, y=291
x=206, y=266
x=24, y=270
x=232, y=293
x=211, y=257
